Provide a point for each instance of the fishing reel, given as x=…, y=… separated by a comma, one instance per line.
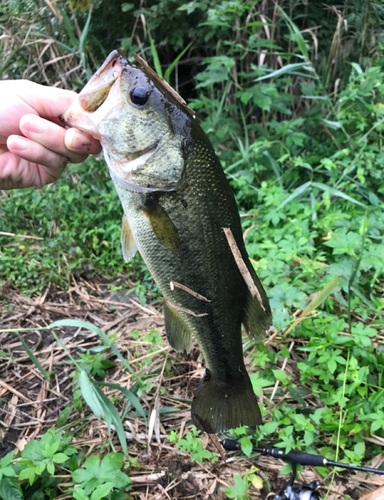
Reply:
x=300, y=491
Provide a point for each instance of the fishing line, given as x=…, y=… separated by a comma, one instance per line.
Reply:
x=301, y=491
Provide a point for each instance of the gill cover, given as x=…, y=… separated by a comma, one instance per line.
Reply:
x=142, y=128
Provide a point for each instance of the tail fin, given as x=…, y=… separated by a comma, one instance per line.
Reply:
x=218, y=406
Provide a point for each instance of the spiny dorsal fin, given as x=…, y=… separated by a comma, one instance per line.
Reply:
x=128, y=245
x=178, y=334
x=161, y=224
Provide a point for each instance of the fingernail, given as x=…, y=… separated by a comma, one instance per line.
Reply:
x=35, y=125
x=18, y=143
x=80, y=143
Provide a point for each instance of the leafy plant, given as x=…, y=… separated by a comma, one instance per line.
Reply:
x=42, y=455
x=193, y=445
x=99, y=477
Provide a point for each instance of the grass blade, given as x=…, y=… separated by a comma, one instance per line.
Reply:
x=315, y=302
x=337, y=193
x=112, y=416
x=74, y=42
x=84, y=324
x=320, y=297
x=155, y=56
x=32, y=357
x=172, y=66
x=296, y=194
x=295, y=32
x=89, y=394
x=130, y=396
x=287, y=69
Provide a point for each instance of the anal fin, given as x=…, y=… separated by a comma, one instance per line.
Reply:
x=178, y=334
x=128, y=245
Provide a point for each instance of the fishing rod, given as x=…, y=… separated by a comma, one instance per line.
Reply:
x=301, y=491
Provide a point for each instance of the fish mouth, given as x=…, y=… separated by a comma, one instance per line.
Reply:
x=83, y=112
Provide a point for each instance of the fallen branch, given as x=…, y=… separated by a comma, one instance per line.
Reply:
x=242, y=266
x=175, y=284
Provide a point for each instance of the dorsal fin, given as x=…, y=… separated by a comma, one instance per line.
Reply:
x=257, y=316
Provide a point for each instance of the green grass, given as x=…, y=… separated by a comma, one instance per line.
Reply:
x=78, y=221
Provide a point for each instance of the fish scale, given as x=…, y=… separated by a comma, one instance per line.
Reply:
x=177, y=200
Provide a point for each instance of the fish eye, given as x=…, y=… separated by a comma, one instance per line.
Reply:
x=139, y=96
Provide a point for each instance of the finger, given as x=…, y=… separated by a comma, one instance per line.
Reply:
x=79, y=142
x=16, y=173
x=46, y=101
x=48, y=164
x=49, y=135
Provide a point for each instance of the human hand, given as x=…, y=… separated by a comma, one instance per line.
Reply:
x=34, y=147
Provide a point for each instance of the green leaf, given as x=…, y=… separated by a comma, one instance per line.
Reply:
x=246, y=445
x=288, y=69
x=378, y=424
x=10, y=489
x=60, y=458
x=295, y=32
x=51, y=468
x=90, y=394
x=7, y=471
x=239, y=489
x=101, y=491
x=132, y=398
x=337, y=193
x=79, y=494
x=112, y=417
x=27, y=473
x=33, y=358
x=357, y=68
x=112, y=462
x=5, y=461
x=84, y=324
x=155, y=56
x=64, y=415
x=269, y=427
x=80, y=476
x=296, y=194
x=126, y=7
x=172, y=66
x=331, y=124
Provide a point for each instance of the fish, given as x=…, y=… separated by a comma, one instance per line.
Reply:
x=180, y=214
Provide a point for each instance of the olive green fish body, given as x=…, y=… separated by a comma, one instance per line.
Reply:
x=175, y=215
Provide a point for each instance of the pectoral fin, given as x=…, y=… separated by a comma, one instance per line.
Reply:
x=178, y=333
x=257, y=317
x=128, y=245
x=161, y=224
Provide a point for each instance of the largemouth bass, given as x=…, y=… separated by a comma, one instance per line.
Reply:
x=177, y=203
